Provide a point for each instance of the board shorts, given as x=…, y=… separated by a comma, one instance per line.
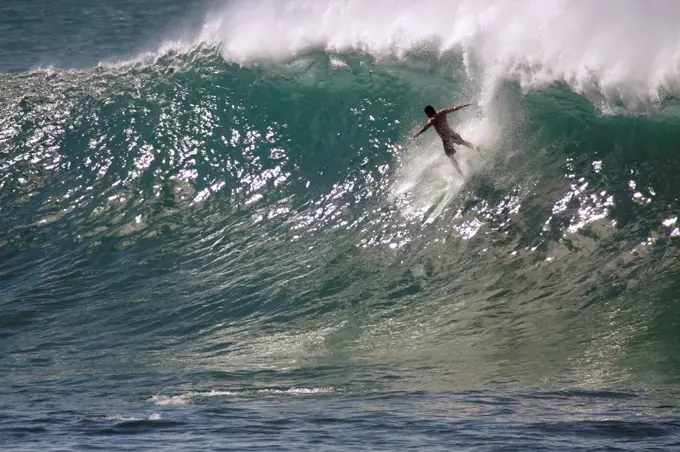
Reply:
x=449, y=141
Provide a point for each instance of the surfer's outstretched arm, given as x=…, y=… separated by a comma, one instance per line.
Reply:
x=452, y=109
x=425, y=127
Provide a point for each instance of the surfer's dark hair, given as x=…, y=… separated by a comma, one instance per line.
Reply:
x=429, y=110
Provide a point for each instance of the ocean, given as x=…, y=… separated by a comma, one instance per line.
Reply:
x=217, y=232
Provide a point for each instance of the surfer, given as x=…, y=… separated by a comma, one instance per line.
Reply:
x=446, y=133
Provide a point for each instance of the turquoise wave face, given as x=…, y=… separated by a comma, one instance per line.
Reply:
x=193, y=214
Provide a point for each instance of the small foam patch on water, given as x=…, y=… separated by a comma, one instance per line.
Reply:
x=119, y=418
x=196, y=396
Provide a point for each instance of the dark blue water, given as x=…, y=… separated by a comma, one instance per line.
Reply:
x=216, y=234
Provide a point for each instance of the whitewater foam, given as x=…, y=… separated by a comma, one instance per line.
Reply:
x=625, y=51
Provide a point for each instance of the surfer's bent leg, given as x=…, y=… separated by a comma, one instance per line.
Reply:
x=459, y=140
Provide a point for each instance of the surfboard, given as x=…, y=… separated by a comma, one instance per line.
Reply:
x=438, y=207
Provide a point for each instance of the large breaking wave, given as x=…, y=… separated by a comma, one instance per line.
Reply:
x=251, y=200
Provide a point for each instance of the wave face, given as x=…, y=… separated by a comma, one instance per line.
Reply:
x=244, y=213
